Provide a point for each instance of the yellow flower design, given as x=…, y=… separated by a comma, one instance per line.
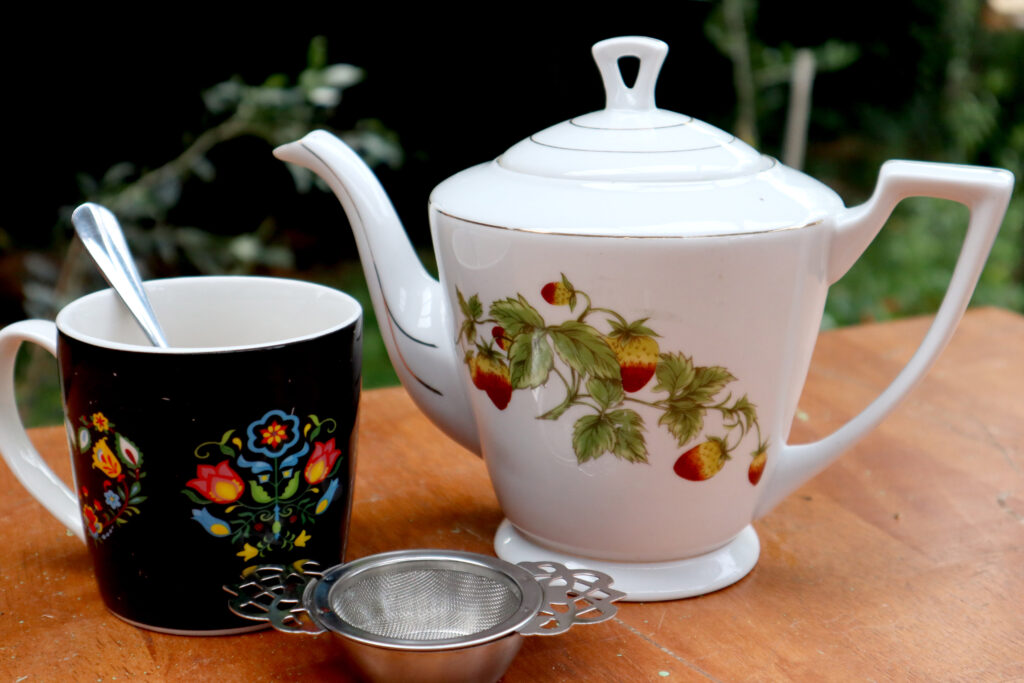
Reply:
x=104, y=459
x=301, y=540
x=100, y=422
x=248, y=552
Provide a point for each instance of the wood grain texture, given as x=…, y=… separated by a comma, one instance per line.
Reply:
x=902, y=561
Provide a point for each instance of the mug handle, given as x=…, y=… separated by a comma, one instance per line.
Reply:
x=15, y=446
x=986, y=192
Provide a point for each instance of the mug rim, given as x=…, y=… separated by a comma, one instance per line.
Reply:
x=69, y=330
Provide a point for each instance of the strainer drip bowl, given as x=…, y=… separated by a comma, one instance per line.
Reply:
x=425, y=602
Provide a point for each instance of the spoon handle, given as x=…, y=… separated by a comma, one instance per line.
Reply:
x=102, y=236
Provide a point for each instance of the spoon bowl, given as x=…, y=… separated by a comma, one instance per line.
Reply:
x=103, y=238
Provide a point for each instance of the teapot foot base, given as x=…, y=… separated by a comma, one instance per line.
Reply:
x=648, y=581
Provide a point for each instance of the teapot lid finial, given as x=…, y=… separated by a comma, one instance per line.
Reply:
x=640, y=96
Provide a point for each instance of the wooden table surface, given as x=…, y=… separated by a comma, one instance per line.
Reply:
x=902, y=561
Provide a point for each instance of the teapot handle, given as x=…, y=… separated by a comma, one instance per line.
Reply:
x=986, y=192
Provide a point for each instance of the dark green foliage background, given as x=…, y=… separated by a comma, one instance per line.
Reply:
x=93, y=102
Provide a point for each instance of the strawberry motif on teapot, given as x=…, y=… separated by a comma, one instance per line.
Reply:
x=601, y=372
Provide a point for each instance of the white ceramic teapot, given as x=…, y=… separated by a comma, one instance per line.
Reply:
x=625, y=318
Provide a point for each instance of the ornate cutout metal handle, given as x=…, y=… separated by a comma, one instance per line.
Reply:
x=571, y=596
x=273, y=593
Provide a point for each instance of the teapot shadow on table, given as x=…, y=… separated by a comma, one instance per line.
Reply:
x=627, y=307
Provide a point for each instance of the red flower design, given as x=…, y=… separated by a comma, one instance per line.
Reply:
x=92, y=523
x=274, y=434
x=321, y=462
x=220, y=484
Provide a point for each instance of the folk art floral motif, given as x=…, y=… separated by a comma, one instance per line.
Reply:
x=117, y=497
x=263, y=489
x=604, y=361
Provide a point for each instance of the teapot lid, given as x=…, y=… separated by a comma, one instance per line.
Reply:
x=631, y=139
x=632, y=169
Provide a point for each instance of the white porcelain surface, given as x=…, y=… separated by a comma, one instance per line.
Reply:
x=717, y=255
x=647, y=581
x=214, y=314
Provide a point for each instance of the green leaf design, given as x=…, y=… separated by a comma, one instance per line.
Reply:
x=683, y=418
x=629, y=435
x=678, y=376
x=558, y=410
x=467, y=331
x=222, y=446
x=472, y=311
x=709, y=381
x=607, y=392
x=569, y=288
x=292, y=487
x=318, y=424
x=592, y=436
x=674, y=373
x=620, y=432
x=517, y=316
x=472, y=308
x=625, y=331
x=530, y=360
x=259, y=494
x=194, y=497
x=747, y=410
x=584, y=349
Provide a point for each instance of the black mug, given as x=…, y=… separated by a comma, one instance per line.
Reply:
x=235, y=447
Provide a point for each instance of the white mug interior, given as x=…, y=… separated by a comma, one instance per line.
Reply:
x=213, y=313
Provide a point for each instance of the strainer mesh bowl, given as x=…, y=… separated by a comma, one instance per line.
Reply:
x=424, y=603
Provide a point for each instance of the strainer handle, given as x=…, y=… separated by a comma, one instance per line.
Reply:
x=274, y=593
x=582, y=596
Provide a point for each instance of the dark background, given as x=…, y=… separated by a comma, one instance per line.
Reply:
x=87, y=89
x=85, y=92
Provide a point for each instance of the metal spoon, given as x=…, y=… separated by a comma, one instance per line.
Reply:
x=101, y=234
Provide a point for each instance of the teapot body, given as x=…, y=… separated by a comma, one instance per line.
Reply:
x=626, y=312
x=586, y=446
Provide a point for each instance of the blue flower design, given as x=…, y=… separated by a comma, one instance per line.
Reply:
x=112, y=499
x=274, y=433
x=327, y=498
x=213, y=525
x=257, y=466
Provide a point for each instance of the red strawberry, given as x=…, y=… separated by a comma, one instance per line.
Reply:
x=756, y=468
x=557, y=293
x=703, y=461
x=490, y=374
x=636, y=351
x=503, y=342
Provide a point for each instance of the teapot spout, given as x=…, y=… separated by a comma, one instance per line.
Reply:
x=413, y=314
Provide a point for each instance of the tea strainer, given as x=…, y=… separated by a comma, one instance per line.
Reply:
x=426, y=615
